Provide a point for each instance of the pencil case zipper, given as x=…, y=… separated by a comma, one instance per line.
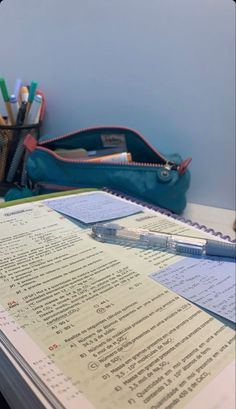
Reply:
x=166, y=163
x=85, y=162
x=150, y=176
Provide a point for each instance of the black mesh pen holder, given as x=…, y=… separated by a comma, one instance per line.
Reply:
x=13, y=153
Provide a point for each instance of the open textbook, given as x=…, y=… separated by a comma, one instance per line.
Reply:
x=86, y=324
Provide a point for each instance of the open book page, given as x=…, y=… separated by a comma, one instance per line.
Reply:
x=210, y=282
x=94, y=327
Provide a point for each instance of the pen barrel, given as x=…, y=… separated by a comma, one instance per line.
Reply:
x=178, y=244
x=15, y=163
x=21, y=114
x=33, y=113
x=10, y=113
x=154, y=240
x=15, y=110
x=12, y=151
x=4, y=137
x=220, y=248
x=27, y=110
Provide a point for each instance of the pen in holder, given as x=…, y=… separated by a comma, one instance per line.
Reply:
x=12, y=151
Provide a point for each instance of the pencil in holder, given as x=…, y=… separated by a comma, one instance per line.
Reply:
x=13, y=153
x=4, y=138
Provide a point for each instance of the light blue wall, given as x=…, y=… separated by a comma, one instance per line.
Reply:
x=164, y=67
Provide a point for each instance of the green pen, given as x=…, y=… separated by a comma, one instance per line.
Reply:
x=32, y=90
x=6, y=98
x=3, y=87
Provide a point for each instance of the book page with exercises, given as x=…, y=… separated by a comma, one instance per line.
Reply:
x=92, y=328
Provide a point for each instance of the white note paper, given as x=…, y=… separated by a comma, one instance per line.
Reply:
x=209, y=283
x=93, y=207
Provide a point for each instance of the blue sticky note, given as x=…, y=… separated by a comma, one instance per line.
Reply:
x=209, y=283
x=93, y=207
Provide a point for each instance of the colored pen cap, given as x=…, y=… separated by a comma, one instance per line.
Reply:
x=32, y=90
x=24, y=94
x=38, y=98
x=13, y=99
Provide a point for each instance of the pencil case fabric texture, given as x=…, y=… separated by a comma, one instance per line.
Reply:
x=162, y=180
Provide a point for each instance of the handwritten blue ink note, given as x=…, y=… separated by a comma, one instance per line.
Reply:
x=210, y=283
x=93, y=207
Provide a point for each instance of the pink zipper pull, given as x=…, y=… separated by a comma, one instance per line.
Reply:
x=183, y=166
x=30, y=142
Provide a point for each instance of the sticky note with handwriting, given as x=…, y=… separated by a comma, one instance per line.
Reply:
x=210, y=283
x=93, y=207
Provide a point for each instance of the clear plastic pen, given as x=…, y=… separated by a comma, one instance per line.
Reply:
x=178, y=244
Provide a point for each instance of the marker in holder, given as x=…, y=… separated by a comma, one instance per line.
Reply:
x=12, y=150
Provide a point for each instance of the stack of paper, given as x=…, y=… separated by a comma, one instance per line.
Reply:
x=86, y=324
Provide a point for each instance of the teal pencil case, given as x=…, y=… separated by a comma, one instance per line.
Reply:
x=144, y=174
